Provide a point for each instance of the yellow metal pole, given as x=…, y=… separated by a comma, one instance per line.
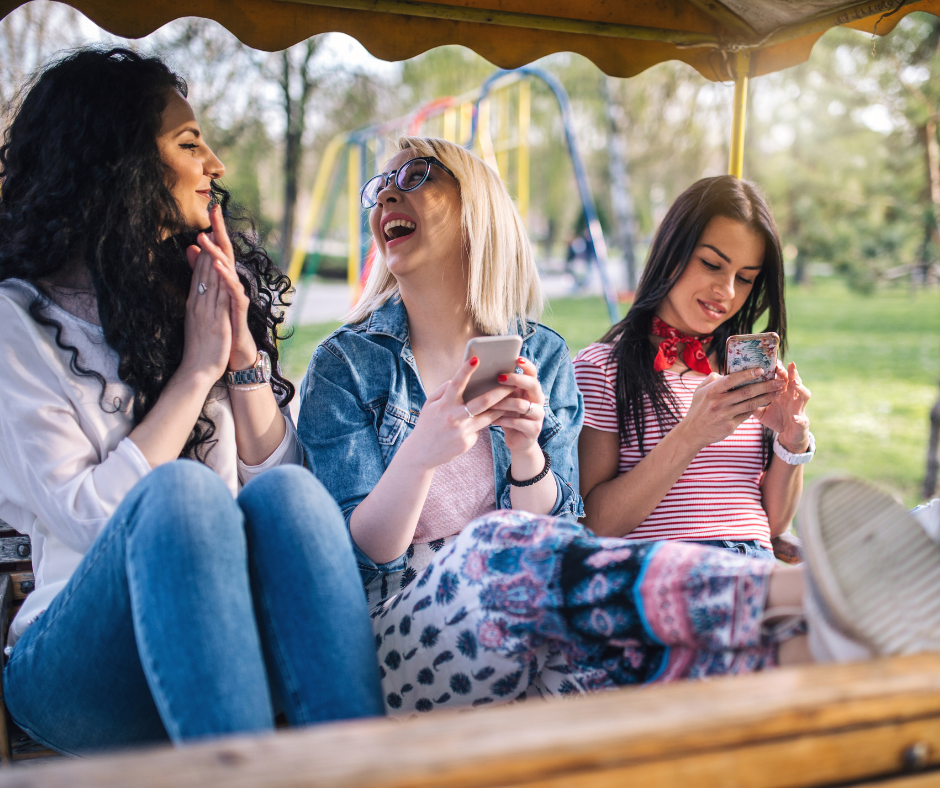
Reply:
x=321, y=184
x=742, y=66
x=466, y=123
x=522, y=189
x=484, y=139
x=450, y=125
x=502, y=133
x=354, y=257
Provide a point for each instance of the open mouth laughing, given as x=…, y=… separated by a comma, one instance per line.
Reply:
x=397, y=227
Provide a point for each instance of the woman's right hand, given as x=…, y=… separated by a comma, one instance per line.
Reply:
x=445, y=430
x=716, y=411
x=207, y=339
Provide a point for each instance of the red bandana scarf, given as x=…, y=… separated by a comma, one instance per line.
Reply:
x=693, y=355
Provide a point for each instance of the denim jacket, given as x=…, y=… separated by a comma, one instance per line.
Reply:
x=362, y=396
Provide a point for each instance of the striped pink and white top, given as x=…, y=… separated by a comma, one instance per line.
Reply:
x=718, y=496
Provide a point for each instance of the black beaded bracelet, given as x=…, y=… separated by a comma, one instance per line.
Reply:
x=534, y=479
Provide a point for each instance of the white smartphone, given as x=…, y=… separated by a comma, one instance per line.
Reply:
x=497, y=357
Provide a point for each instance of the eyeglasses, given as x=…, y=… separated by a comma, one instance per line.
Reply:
x=408, y=177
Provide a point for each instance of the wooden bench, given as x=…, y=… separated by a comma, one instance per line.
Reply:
x=16, y=583
x=871, y=723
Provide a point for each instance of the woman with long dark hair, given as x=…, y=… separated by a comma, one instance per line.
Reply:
x=175, y=598
x=672, y=447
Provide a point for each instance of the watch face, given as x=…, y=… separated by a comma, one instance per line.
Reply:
x=266, y=365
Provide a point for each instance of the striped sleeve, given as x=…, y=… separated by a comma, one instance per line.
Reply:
x=596, y=375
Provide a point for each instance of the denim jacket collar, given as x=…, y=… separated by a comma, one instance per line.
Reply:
x=391, y=319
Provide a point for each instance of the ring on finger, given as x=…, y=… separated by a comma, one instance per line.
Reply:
x=201, y=288
x=469, y=414
x=528, y=410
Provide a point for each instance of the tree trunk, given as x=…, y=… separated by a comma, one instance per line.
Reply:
x=620, y=197
x=295, y=112
x=933, y=173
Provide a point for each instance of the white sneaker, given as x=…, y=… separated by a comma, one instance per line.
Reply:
x=873, y=574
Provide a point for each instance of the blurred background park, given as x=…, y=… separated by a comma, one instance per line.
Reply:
x=845, y=147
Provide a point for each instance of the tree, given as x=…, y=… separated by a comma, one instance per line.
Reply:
x=29, y=37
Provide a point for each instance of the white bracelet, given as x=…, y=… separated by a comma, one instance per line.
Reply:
x=795, y=459
x=251, y=387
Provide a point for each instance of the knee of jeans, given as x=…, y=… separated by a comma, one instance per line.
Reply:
x=290, y=495
x=185, y=500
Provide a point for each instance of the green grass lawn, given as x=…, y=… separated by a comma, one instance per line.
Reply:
x=872, y=363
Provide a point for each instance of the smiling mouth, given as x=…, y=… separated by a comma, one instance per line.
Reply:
x=205, y=193
x=712, y=309
x=398, y=228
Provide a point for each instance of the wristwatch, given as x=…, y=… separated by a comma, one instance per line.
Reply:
x=259, y=373
x=795, y=459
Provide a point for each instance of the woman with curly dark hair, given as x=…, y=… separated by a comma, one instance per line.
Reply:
x=191, y=576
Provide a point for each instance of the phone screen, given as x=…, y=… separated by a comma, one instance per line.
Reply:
x=752, y=351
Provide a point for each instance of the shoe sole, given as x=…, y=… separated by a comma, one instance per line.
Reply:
x=875, y=568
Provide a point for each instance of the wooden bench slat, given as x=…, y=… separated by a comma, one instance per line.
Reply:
x=15, y=548
x=789, y=727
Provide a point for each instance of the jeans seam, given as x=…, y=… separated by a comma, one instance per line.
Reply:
x=277, y=654
x=152, y=676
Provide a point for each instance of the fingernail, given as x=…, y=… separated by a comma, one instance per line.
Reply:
x=520, y=361
x=474, y=361
x=779, y=384
x=757, y=372
x=502, y=378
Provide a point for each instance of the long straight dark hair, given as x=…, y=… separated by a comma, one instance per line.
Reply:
x=669, y=255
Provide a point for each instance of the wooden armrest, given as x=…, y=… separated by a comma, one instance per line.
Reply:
x=792, y=727
x=788, y=548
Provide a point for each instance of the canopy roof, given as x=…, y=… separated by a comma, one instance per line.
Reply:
x=622, y=37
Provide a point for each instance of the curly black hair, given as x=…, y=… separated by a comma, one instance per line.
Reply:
x=82, y=184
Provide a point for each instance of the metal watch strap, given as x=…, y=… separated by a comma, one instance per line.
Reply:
x=254, y=375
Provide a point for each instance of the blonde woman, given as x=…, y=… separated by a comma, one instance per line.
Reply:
x=477, y=610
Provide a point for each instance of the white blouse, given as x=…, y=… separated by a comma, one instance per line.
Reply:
x=66, y=462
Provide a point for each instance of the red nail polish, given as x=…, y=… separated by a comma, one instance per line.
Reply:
x=474, y=361
x=520, y=361
x=502, y=378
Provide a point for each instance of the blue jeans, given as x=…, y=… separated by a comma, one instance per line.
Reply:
x=192, y=610
x=749, y=547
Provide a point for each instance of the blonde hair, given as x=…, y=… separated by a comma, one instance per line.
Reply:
x=503, y=281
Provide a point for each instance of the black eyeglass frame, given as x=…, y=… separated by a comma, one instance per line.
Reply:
x=387, y=176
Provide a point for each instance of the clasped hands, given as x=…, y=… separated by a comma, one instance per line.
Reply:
x=448, y=427
x=216, y=325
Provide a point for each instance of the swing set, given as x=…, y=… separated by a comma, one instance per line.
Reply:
x=493, y=121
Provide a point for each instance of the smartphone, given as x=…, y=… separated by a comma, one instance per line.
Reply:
x=750, y=351
x=497, y=357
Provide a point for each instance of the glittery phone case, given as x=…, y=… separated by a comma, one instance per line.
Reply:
x=749, y=351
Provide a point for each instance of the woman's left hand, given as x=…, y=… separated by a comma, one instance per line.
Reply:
x=524, y=408
x=218, y=246
x=786, y=415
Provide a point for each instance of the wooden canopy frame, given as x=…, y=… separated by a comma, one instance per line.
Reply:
x=724, y=40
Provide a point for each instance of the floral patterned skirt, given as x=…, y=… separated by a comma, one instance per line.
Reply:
x=520, y=605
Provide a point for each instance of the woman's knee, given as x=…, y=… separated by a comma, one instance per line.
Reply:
x=290, y=496
x=182, y=501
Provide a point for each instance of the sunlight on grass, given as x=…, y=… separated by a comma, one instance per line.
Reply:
x=872, y=363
